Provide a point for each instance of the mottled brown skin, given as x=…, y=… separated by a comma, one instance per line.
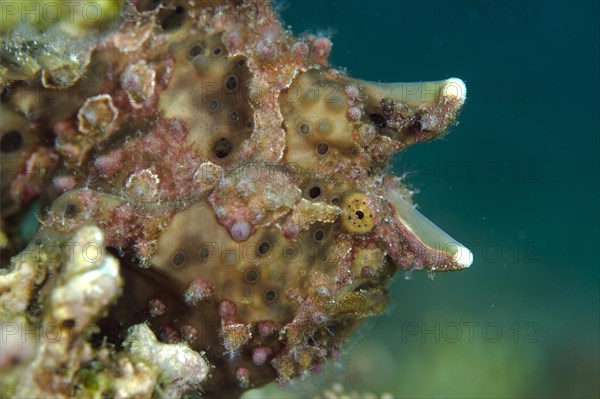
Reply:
x=207, y=121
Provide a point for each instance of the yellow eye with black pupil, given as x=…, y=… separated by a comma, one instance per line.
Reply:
x=357, y=217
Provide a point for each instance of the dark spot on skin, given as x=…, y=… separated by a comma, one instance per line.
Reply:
x=335, y=200
x=217, y=52
x=234, y=116
x=251, y=276
x=270, y=295
x=174, y=19
x=264, y=247
x=4, y=96
x=378, y=120
x=360, y=214
x=204, y=253
x=222, y=148
x=195, y=50
x=305, y=128
x=69, y=323
x=11, y=141
x=181, y=311
x=148, y=5
x=314, y=192
x=213, y=105
x=70, y=210
x=231, y=83
x=241, y=63
x=178, y=259
x=319, y=235
x=247, y=292
x=322, y=148
x=290, y=252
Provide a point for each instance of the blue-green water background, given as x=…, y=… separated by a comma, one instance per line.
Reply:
x=517, y=180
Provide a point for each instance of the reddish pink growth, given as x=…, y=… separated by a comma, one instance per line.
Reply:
x=189, y=333
x=300, y=50
x=242, y=374
x=233, y=41
x=169, y=335
x=144, y=248
x=290, y=230
x=321, y=49
x=64, y=183
x=176, y=130
x=336, y=353
x=88, y=197
x=352, y=92
x=260, y=354
x=319, y=318
x=65, y=130
x=266, y=50
x=123, y=215
x=156, y=307
x=27, y=184
x=267, y=327
x=354, y=113
x=317, y=368
x=366, y=272
x=197, y=291
x=240, y=230
x=226, y=309
x=109, y=164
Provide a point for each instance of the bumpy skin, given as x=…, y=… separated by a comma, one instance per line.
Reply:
x=237, y=177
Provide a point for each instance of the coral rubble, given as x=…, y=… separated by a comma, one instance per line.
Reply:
x=209, y=180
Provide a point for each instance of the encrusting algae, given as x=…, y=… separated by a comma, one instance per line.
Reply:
x=216, y=209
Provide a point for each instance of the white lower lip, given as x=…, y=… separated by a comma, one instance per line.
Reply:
x=427, y=232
